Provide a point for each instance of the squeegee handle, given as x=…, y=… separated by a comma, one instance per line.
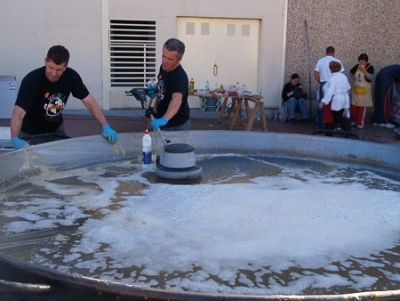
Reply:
x=159, y=131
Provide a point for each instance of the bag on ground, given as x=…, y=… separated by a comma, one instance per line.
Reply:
x=283, y=113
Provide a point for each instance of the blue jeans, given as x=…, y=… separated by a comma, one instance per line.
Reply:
x=292, y=103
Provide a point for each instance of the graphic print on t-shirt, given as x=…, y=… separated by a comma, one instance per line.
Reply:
x=161, y=88
x=54, y=105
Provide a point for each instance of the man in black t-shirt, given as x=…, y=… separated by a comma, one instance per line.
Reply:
x=173, y=111
x=43, y=94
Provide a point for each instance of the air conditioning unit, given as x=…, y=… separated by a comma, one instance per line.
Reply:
x=8, y=95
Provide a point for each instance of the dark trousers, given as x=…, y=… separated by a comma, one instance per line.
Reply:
x=59, y=134
x=338, y=117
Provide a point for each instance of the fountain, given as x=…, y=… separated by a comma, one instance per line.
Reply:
x=253, y=161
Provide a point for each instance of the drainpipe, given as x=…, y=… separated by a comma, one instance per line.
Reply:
x=285, y=17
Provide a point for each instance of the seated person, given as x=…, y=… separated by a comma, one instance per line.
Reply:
x=293, y=96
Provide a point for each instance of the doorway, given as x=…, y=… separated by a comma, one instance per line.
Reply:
x=221, y=51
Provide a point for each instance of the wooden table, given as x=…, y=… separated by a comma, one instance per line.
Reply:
x=236, y=105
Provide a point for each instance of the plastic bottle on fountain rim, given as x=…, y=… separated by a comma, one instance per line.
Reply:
x=146, y=150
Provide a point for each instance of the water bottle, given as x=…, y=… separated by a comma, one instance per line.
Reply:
x=216, y=88
x=207, y=86
x=146, y=150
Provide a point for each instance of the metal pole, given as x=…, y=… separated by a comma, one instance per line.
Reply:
x=165, y=141
x=309, y=68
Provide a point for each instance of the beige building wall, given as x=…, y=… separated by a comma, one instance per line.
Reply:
x=271, y=13
x=29, y=28
x=352, y=27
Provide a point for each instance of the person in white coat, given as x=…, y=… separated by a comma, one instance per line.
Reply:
x=336, y=100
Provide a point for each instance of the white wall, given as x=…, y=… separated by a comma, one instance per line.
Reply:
x=29, y=28
x=272, y=14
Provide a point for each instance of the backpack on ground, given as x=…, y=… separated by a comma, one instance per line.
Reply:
x=283, y=113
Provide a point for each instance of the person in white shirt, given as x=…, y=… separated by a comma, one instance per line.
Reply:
x=322, y=73
x=336, y=100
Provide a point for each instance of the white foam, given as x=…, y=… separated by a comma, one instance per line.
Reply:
x=297, y=219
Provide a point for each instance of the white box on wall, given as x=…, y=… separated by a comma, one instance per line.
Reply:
x=8, y=95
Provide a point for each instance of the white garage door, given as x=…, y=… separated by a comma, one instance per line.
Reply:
x=221, y=51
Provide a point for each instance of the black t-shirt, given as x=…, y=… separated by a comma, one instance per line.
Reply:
x=44, y=101
x=169, y=83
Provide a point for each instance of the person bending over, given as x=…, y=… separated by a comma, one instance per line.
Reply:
x=42, y=96
x=384, y=81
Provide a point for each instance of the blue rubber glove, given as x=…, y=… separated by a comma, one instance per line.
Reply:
x=152, y=92
x=109, y=134
x=152, y=89
x=156, y=123
x=19, y=143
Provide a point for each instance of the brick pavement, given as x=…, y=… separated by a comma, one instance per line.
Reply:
x=83, y=124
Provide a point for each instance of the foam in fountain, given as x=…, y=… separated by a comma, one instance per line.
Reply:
x=256, y=225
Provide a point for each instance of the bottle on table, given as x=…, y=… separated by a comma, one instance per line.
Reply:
x=191, y=86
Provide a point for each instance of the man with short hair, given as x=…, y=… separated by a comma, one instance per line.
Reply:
x=43, y=94
x=322, y=73
x=173, y=111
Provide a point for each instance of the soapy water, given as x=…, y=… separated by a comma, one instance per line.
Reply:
x=250, y=225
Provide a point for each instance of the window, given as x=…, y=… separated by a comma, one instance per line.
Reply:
x=132, y=52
